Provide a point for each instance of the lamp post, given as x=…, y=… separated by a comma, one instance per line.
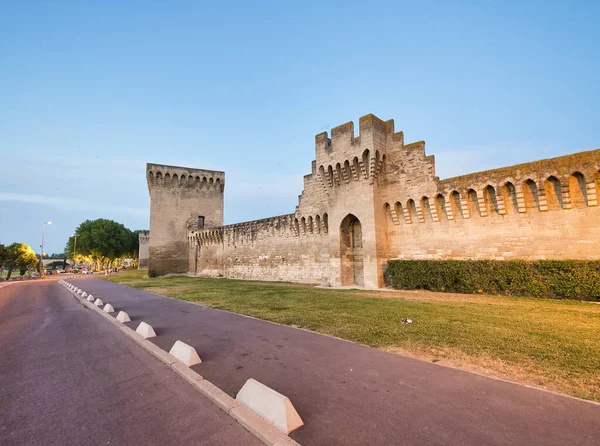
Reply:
x=42, y=246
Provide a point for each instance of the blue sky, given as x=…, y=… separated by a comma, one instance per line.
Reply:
x=91, y=91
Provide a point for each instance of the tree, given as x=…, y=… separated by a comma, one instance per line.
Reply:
x=19, y=256
x=104, y=240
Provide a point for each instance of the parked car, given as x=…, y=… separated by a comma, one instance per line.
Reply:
x=86, y=271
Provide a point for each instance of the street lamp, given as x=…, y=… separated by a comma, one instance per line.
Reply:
x=42, y=245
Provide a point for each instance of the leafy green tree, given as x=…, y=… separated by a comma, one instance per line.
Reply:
x=103, y=240
x=19, y=256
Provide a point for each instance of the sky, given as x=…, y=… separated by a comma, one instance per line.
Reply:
x=91, y=91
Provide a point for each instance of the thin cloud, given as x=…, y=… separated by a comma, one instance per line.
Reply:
x=71, y=204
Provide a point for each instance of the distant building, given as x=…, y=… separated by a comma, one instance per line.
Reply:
x=144, y=241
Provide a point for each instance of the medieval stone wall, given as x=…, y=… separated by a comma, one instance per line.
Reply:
x=546, y=209
x=371, y=198
x=276, y=248
x=178, y=197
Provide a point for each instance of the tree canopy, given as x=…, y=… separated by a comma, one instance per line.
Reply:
x=104, y=241
x=17, y=256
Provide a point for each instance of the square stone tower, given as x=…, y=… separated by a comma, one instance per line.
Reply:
x=181, y=199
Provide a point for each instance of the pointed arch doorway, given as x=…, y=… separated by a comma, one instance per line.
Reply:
x=351, y=251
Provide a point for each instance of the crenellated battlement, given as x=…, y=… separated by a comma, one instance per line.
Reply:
x=550, y=184
x=184, y=177
x=343, y=144
x=288, y=225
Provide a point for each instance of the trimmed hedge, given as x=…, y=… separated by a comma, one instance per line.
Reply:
x=560, y=279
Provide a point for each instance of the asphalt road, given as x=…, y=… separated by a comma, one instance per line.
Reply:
x=350, y=394
x=68, y=377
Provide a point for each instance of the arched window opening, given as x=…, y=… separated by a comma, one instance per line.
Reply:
x=310, y=224
x=399, y=210
x=318, y=224
x=554, y=197
x=338, y=169
x=412, y=210
x=440, y=206
x=356, y=165
x=426, y=209
x=330, y=175
x=491, y=202
x=509, y=193
x=297, y=226
x=473, y=203
x=577, y=190
x=530, y=195
x=455, y=205
x=366, y=162
x=388, y=213
x=347, y=170
x=325, y=223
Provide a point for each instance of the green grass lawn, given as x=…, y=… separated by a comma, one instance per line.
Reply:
x=548, y=343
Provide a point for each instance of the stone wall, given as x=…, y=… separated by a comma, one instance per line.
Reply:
x=178, y=197
x=541, y=210
x=371, y=198
x=275, y=248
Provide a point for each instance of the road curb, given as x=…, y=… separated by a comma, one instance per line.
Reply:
x=266, y=432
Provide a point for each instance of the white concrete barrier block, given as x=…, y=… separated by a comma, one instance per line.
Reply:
x=185, y=353
x=108, y=308
x=145, y=330
x=91, y=298
x=98, y=302
x=79, y=291
x=84, y=294
x=271, y=405
x=123, y=317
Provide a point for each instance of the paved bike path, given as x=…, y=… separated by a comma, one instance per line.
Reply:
x=67, y=377
x=351, y=394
